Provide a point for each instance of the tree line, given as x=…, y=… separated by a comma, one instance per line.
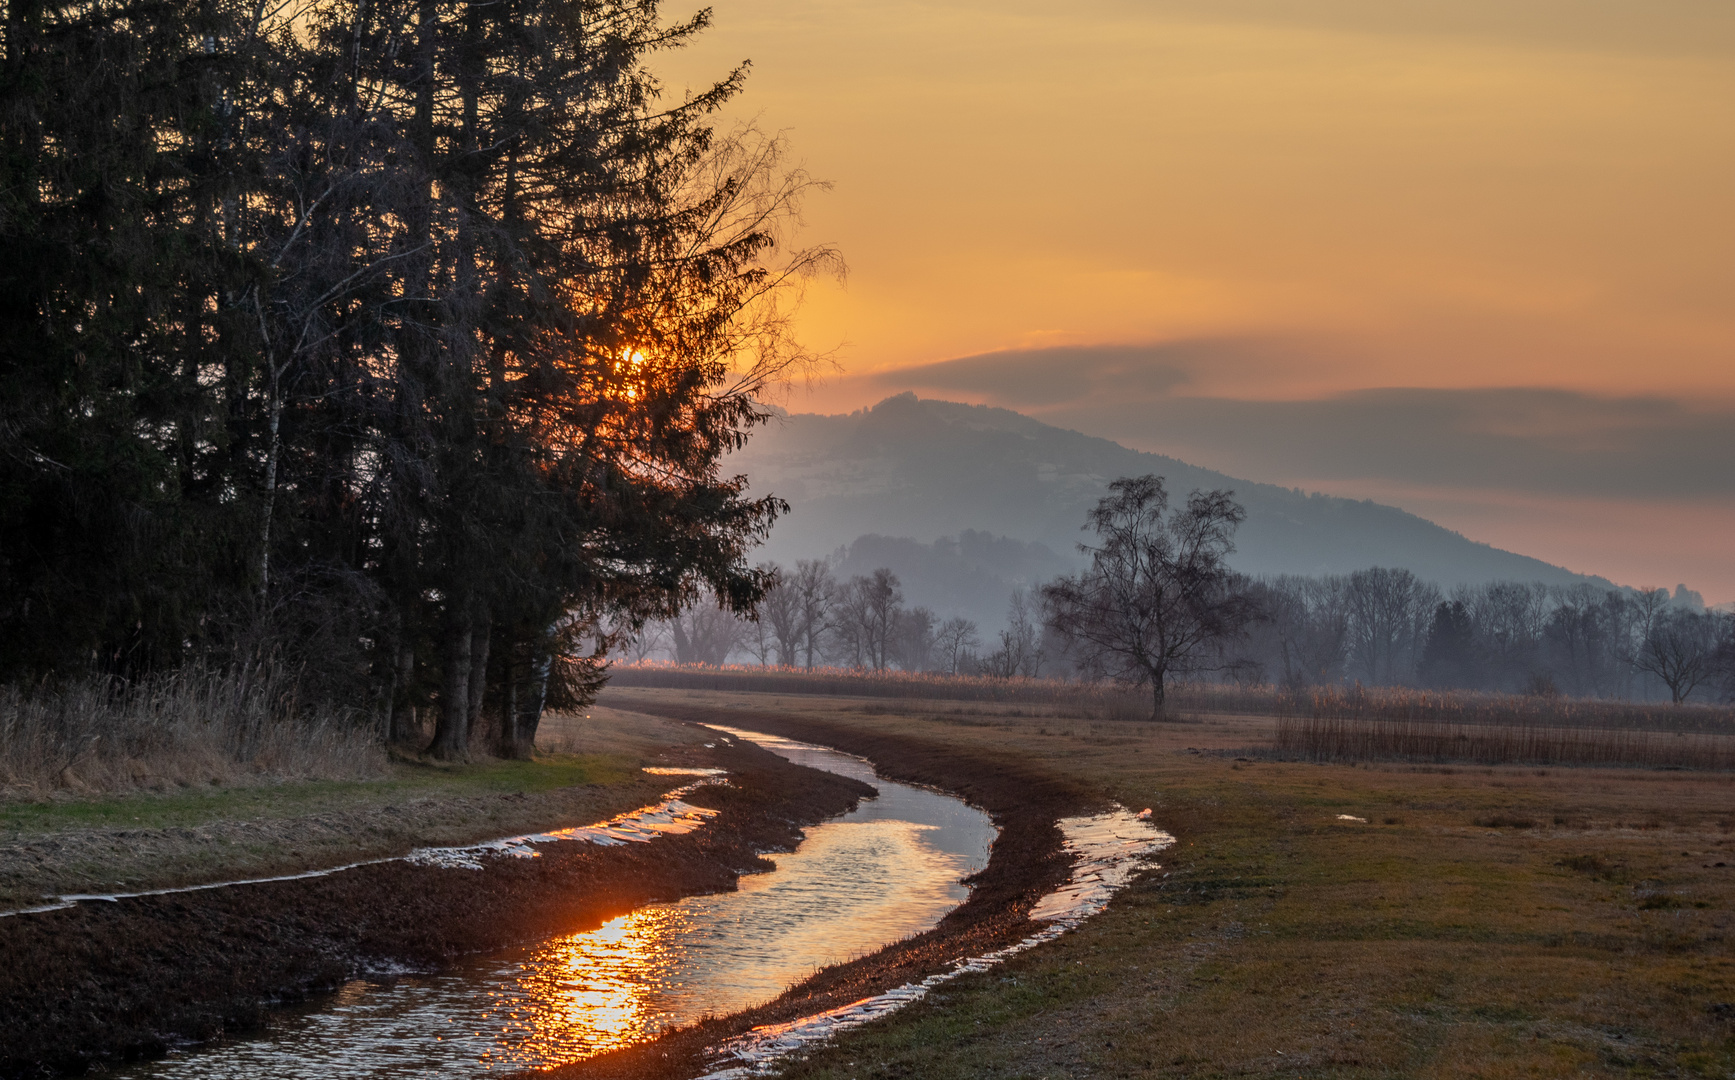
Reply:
x=1387, y=627
x=401, y=341
x=1158, y=602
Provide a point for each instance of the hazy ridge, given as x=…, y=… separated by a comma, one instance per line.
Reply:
x=886, y=483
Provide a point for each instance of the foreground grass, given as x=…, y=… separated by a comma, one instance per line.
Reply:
x=1487, y=922
x=188, y=834
x=190, y=807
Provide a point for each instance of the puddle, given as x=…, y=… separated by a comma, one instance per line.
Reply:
x=1109, y=849
x=889, y=869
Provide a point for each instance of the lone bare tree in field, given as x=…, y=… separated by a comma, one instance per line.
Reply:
x=1159, y=597
x=1681, y=650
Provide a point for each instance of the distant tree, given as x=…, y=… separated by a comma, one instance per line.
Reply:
x=1305, y=627
x=705, y=633
x=1390, y=611
x=1159, y=599
x=914, y=637
x=1724, y=659
x=1021, y=650
x=1449, y=657
x=1681, y=649
x=780, y=615
x=816, y=592
x=955, y=640
x=866, y=618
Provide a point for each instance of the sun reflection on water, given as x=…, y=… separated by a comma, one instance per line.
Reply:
x=890, y=868
x=593, y=992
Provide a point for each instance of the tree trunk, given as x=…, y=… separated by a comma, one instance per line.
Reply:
x=480, y=639
x=403, y=725
x=511, y=747
x=452, y=733
x=1157, y=709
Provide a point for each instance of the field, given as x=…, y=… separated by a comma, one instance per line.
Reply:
x=1329, y=919
x=188, y=832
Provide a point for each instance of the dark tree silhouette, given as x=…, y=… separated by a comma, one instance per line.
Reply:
x=1680, y=648
x=1159, y=598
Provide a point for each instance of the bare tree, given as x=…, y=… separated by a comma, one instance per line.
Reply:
x=1021, y=650
x=1308, y=619
x=867, y=616
x=705, y=633
x=815, y=592
x=780, y=615
x=1681, y=650
x=914, y=637
x=1159, y=598
x=956, y=639
x=1390, y=613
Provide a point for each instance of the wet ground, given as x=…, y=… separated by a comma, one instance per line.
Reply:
x=891, y=868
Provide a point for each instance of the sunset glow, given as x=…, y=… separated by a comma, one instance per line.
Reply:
x=1437, y=195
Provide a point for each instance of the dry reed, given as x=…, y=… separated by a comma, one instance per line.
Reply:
x=1344, y=739
x=97, y=735
x=1106, y=700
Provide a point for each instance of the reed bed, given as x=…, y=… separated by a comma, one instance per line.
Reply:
x=1343, y=739
x=102, y=736
x=1109, y=701
x=1474, y=708
x=856, y=682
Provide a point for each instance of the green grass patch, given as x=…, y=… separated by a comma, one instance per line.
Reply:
x=189, y=807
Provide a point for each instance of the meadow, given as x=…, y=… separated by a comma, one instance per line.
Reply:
x=1318, y=918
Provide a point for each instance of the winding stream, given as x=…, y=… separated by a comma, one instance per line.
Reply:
x=888, y=869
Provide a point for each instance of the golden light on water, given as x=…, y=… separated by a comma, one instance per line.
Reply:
x=889, y=869
x=593, y=992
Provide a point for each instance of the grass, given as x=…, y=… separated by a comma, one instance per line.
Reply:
x=103, y=736
x=83, y=841
x=1495, y=921
x=194, y=806
x=1352, y=739
x=1106, y=701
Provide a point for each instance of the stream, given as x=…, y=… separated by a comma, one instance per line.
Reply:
x=890, y=868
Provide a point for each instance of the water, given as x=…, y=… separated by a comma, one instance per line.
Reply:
x=889, y=869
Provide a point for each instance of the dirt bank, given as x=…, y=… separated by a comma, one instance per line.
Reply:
x=109, y=981
x=1026, y=862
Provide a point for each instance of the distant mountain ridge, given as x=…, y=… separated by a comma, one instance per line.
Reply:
x=925, y=470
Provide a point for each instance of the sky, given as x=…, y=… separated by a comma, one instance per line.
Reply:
x=1472, y=258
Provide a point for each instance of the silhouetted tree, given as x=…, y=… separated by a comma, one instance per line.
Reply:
x=1389, y=614
x=816, y=593
x=956, y=639
x=1159, y=598
x=1449, y=657
x=1681, y=650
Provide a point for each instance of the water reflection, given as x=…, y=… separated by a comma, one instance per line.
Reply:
x=889, y=869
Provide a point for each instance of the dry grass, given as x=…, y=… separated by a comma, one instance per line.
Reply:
x=1108, y=701
x=1487, y=921
x=99, y=736
x=1467, y=707
x=1333, y=738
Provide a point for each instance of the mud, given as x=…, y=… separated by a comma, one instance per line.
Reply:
x=105, y=982
x=1027, y=862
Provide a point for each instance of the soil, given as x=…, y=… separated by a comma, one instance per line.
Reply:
x=105, y=982
x=1026, y=862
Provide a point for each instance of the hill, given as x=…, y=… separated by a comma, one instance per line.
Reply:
x=886, y=483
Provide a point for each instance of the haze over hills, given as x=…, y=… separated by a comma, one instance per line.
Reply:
x=966, y=501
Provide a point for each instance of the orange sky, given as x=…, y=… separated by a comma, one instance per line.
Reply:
x=1429, y=194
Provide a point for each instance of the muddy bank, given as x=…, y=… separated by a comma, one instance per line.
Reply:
x=1026, y=862
x=113, y=981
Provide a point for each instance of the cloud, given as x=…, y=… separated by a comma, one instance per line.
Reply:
x=1035, y=378
x=1517, y=439
x=1553, y=441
